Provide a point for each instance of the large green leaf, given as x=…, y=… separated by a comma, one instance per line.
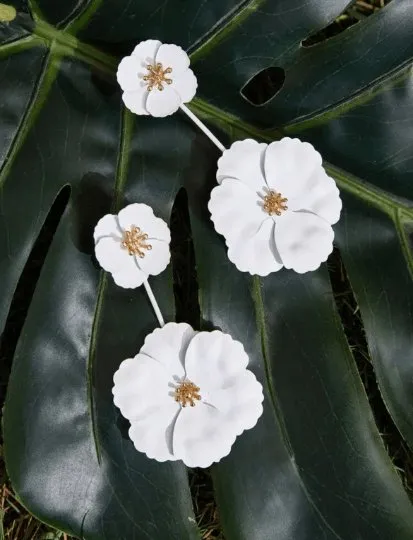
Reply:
x=315, y=466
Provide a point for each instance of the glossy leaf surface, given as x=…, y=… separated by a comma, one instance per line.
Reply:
x=315, y=466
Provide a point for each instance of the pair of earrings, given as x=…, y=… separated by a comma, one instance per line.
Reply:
x=189, y=394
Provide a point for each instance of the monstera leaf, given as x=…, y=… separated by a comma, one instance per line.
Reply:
x=315, y=466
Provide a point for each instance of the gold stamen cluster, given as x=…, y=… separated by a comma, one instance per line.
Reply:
x=274, y=203
x=187, y=392
x=135, y=242
x=157, y=76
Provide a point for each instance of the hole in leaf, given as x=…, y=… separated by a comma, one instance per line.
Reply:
x=263, y=86
x=183, y=263
x=26, y=287
x=205, y=508
x=354, y=330
x=358, y=11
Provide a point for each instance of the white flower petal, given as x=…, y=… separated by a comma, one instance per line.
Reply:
x=200, y=438
x=164, y=102
x=136, y=101
x=237, y=214
x=173, y=56
x=240, y=402
x=321, y=197
x=213, y=360
x=141, y=387
x=185, y=85
x=129, y=278
x=142, y=216
x=157, y=259
x=256, y=252
x=145, y=52
x=289, y=164
x=141, y=391
x=304, y=240
x=168, y=346
x=112, y=256
x=153, y=435
x=244, y=162
x=128, y=74
x=235, y=209
x=107, y=226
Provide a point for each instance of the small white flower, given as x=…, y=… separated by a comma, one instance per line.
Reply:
x=275, y=206
x=156, y=78
x=187, y=395
x=132, y=245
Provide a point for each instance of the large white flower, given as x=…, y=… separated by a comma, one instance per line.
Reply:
x=275, y=206
x=132, y=245
x=187, y=395
x=156, y=78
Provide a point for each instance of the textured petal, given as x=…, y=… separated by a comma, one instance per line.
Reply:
x=153, y=435
x=303, y=240
x=136, y=101
x=129, y=278
x=141, y=392
x=107, y=226
x=244, y=162
x=174, y=57
x=213, y=360
x=256, y=252
x=141, y=387
x=200, y=437
x=289, y=165
x=240, y=402
x=145, y=51
x=157, y=259
x=321, y=197
x=128, y=74
x=142, y=216
x=168, y=346
x=185, y=85
x=235, y=209
x=237, y=214
x=164, y=102
x=112, y=256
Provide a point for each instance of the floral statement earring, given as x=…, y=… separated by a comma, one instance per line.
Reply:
x=187, y=394
x=275, y=204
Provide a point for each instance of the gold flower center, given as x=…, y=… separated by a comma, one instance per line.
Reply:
x=135, y=242
x=274, y=203
x=187, y=392
x=157, y=76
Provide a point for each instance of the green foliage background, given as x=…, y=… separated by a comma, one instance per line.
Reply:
x=315, y=466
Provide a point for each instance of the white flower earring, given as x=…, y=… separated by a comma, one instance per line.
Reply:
x=187, y=395
x=275, y=205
